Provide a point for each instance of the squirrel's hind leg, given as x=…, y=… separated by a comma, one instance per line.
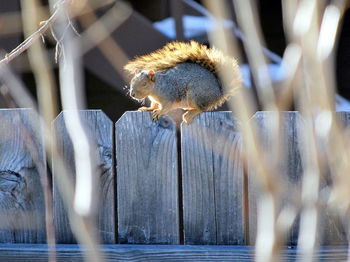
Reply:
x=153, y=106
x=190, y=114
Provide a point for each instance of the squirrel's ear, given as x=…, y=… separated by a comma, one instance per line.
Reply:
x=151, y=75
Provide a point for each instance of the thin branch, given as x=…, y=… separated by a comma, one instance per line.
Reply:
x=44, y=26
x=98, y=34
x=30, y=40
x=72, y=96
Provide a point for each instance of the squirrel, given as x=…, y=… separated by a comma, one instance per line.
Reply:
x=182, y=75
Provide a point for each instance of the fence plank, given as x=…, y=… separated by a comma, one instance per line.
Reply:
x=22, y=210
x=212, y=180
x=290, y=172
x=147, y=184
x=100, y=128
x=331, y=229
x=334, y=231
x=73, y=253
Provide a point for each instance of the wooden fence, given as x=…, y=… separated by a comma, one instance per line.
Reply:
x=158, y=185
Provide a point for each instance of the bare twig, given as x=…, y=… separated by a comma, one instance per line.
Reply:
x=98, y=32
x=33, y=37
x=44, y=26
x=47, y=104
x=86, y=185
x=64, y=182
x=316, y=98
x=247, y=18
x=243, y=107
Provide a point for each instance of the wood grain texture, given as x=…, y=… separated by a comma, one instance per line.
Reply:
x=72, y=253
x=147, y=175
x=22, y=210
x=333, y=229
x=212, y=178
x=100, y=129
x=290, y=170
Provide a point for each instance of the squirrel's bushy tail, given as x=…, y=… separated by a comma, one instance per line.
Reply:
x=179, y=52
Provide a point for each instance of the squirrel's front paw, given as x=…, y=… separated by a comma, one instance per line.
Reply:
x=156, y=114
x=144, y=108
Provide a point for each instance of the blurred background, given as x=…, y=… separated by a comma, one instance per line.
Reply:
x=152, y=24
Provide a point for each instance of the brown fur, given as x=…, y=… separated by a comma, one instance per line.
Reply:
x=179, y=52
x=175, y=53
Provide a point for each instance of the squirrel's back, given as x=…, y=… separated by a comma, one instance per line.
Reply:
x=175, y=53
x=188, y=80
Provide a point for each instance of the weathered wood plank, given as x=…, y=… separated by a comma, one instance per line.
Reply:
x=290, y=171
x=100, y=128
x=212, y=178
x=333, y=229
x=73, y=253
x=147, y=170
x=22, y=210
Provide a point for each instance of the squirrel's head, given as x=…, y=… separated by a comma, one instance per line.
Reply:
x=141, y=85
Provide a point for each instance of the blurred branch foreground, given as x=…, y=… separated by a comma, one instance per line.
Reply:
x=267, y=186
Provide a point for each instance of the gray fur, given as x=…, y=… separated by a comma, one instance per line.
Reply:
x=190, y=79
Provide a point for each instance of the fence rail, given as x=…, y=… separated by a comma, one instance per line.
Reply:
x=157, y=185
x=72, y=253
